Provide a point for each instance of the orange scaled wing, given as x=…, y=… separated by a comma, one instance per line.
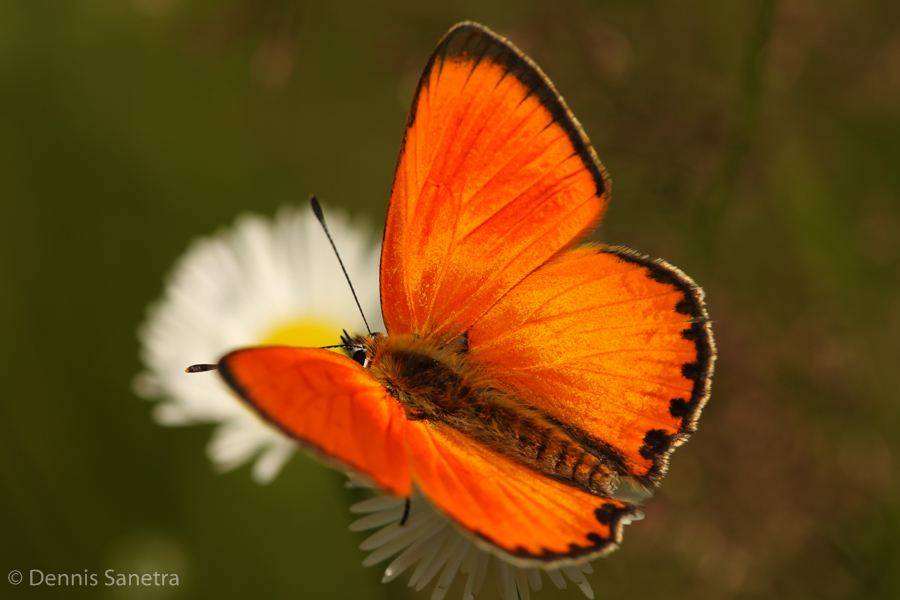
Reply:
x=616, y=346
x=329, y=403
x=507, y=505
x=495, y=177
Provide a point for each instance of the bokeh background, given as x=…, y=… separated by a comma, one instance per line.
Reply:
x=755, y=143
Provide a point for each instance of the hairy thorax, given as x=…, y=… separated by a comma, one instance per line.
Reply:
x=438, y=383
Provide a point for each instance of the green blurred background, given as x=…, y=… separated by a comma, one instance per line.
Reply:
x=756, y=144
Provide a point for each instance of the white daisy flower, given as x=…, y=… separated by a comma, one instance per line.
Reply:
x=261, y=282
x=278, y=282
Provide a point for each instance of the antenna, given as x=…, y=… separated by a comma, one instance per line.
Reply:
x=317, y=208
x=201, y=368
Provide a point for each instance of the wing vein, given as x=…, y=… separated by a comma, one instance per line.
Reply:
x=549, y=319
x=617, y=376
x=473, y=297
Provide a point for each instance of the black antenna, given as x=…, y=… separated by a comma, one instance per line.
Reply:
x=317, y=208
x=201, y=368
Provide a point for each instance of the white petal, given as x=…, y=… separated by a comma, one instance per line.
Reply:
x=378, y=503
x=169, y=413
x=440, y=559
x=233, y=444
x=534, y=578
x=425, y=545
x=392, y=547
x=522, y=584
x=557, y=578
x=395, y=530
x=506, y=583
x=377, y=519
x=481, y=572
x=269, y=464
x=457, y=554
x=577, y=577
x=431, y=552
x=468, y=568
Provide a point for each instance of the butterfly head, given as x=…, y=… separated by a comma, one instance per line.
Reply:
x=362, y=348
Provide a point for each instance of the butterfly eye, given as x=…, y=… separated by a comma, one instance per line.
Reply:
x=359, y=355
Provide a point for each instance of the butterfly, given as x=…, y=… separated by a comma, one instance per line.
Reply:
x=523, y=376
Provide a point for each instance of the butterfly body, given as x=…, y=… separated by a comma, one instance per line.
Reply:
x=438, y=383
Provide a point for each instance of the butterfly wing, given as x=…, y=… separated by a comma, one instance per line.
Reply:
x=614, y=345
x=495, y=176
x=525, y=516
x=328, y=403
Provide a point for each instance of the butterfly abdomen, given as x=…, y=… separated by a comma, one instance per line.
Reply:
x=527, y=435
x=438, y=384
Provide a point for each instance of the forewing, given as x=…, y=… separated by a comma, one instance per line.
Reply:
x=524, y=515
x=616, y=346
x=495, y=177
x=327, y=402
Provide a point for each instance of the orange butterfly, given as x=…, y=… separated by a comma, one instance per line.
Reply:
x=523, y=376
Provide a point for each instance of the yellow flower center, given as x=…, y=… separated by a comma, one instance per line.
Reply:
x=304, y=332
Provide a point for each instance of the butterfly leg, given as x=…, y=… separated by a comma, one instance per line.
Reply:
x=405, y=514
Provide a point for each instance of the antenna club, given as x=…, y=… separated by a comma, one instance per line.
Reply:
x=317, y=208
